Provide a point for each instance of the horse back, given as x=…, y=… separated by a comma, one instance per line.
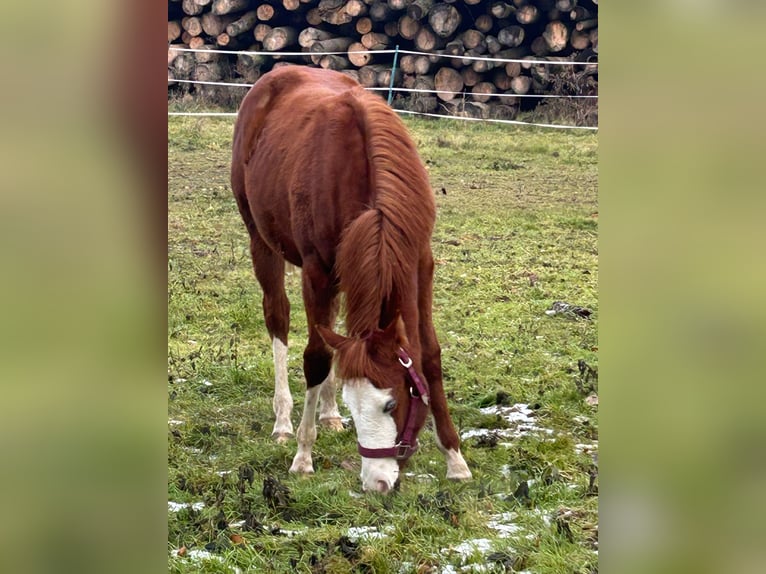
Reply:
x=299, y=161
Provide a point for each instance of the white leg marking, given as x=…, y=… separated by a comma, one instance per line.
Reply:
x=329, y=416
x=457, y=469
x=283, y=400
x=307, y=433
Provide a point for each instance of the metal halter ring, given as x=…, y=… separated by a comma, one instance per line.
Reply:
x=406, y=365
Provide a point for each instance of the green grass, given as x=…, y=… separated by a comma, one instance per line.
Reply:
x=516, y=230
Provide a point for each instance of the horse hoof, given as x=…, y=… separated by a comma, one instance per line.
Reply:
x=282, y=437
x=462, y=475
x=333, y=423
x=304, y=467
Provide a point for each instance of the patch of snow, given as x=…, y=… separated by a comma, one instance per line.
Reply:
x=179, y=380
x=586, y=448
x=176, y=506
x=519, y=418
x=207, y=383
x=470, y=547
x=356, y=532
x=503, y=523
x=174, y=422
x=223, y=472
x=237, y=524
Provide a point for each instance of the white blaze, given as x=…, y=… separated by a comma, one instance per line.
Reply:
x=374, y=429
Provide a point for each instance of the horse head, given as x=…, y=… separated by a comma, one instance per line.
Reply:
x=387, y=397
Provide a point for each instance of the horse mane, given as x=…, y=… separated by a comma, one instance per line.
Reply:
x=379, y=251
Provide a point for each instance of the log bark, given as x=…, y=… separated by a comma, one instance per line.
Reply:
x=501, y=79
x=472, y=39
x=444, y=19
x=375, y=41
x=418, y=9
x=493, y=44
x=470, y=76
x=213, y=25
x=504, y=110
x=313, y=17
x=391, y=28
x=355, y=8
x=191, y=8
x=379, y=12
x=556, y=35
x=359, y=56
x=408, y=27
x=280, y=38
x=484, y=23
x=310, y=35
x=208, y=55
x=183, y=66
x=245, y=23
x=334, y=62
x=384, y=77
x=212, y=72
x=579, y=40
x=447, y=80
x=501, y=10
x=512, y=69
x=511, y=36
x=333, y=12
x=540, y=47
x=579, y=13
x=227, y=6
x=521, y=85
x=584, y=25
x=397, y=5
x=174, y=30
x=368, y=75
x=330, y=45
x=426, y=40
x=261, y=31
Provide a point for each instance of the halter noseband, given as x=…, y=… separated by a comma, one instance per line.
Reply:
x=407, y=440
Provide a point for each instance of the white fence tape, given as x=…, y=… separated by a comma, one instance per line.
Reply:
x=373, y=52
x=395, y=89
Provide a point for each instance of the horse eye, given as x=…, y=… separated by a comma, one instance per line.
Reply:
x=390, y=405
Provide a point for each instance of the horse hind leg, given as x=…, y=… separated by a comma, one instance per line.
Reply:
x=320, y=302
x=329, y=415
x=269, y=270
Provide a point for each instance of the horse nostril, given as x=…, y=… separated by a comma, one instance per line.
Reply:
x=382, y=486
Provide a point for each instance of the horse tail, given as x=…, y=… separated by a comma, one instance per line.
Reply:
x=380, y=250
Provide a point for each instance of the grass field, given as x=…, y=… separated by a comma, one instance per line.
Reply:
x=516, y=230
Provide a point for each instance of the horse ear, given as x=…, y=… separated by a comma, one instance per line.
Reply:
x=329, y=336
x=396, y=330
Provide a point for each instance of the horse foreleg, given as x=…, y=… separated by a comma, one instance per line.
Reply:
x=329, y=416
x=307, y=433
x=283, y=400
x=447, y=439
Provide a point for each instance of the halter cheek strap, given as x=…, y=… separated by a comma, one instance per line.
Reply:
x=407, y=441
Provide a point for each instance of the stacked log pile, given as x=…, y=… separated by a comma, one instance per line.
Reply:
x=527, y=30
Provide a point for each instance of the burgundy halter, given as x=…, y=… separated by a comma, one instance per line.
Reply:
x=407, y=441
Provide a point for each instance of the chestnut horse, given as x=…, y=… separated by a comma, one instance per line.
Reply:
x=327, y=178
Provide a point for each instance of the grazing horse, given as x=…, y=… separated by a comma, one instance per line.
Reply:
x=327, y=178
